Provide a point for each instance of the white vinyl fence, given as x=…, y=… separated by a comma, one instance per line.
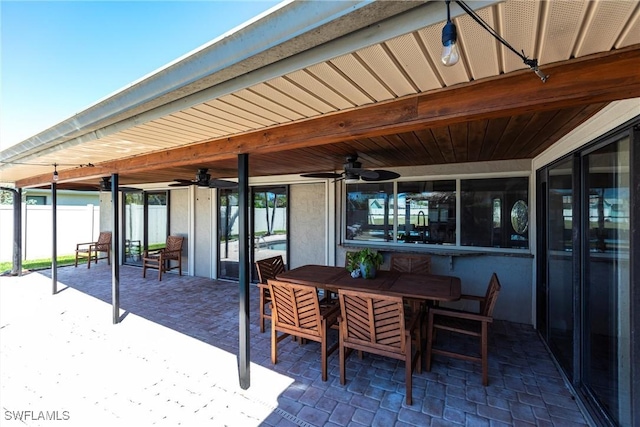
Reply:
x=76, y=224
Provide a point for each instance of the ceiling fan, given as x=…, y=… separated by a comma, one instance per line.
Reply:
x=353, y=171
x=105, y=185
x=203, y=179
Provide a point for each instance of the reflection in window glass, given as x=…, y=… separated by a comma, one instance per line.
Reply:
x=427, y=212
x=479, y=199
x=369, y=216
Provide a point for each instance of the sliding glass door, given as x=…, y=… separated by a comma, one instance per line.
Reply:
x=584, y=287
x=145, y=223
x=269, y=229
x=606, y=362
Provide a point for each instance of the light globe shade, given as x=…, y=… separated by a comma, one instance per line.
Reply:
x=450, y=54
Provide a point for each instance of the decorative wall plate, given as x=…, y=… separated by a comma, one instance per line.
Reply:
x=520, y=216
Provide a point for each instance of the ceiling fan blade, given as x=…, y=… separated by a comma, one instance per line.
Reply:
x=221, y=183
x=184, y=181
x=322, y=175
x=366, y=174
x=181, y=184
x=382, y=175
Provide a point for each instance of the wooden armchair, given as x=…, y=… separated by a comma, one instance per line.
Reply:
x=91, y=250
x=161, y=258
x=267, y=269
x=375, y=323
x=296, y=311
x=467, y=323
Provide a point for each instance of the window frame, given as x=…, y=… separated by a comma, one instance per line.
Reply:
x=435, y=248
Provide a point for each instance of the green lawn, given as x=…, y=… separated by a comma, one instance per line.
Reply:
x=36, y=264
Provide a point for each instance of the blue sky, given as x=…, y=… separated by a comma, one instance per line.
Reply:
x=59, y=57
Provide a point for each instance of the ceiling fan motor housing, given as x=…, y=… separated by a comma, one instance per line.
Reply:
x=203, y=176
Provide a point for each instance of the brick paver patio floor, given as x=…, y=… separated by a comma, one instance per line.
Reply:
x=173, y=361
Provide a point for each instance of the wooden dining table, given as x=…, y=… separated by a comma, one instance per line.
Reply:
x=432, y=287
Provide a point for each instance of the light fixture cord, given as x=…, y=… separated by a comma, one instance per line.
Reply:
x=531, y=63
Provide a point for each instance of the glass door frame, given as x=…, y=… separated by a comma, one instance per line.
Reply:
x=580, y=248
x=144, y=244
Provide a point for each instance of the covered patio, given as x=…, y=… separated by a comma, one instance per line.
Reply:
x=175, y=362
x=535, y=181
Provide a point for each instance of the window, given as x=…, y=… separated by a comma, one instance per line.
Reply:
x=36, y=200
x=427, y=212
x=494, y=212
x=369, y=216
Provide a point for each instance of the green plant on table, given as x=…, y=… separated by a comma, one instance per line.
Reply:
x=366, y=260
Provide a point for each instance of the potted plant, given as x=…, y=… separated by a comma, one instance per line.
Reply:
x=366, y=261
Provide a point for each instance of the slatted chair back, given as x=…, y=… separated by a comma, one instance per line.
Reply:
x=489, y=303
x=91, y=250
x=161, y=259
x=414, y=264
x=173, y=247
x=296, y=311
x=104, y=242
x=372, y=322
x=269, y=268
x=375, y=323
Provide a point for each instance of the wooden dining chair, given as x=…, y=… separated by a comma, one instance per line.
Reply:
x=161, y=258
x=463, y=322
x=375, y=323
x=267, y=269
x=91, y=250
x=296, y=311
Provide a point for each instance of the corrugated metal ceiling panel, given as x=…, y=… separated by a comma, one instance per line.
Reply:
x=385, y=67
x=602, y=27
x=561, y=27
x=238, y=100
x=352, y=68
x=518, y=25
x=413, y=59
x=307, y=80
x=478, y=46
x=339, y=84
x=631, y=34
x=302, y=94
x=287, y=101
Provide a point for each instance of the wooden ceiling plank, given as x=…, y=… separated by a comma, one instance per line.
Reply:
x=443, y=139
x=511, y=135
x=494, y=131
x=529, y=134
x=476, y=136
x=550, y=135
x=459, y=141
x=430, y=145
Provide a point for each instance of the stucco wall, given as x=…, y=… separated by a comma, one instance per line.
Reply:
x=307, y=224
x=203, y=256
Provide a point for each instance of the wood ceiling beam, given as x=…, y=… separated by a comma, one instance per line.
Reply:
x=596, y=79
